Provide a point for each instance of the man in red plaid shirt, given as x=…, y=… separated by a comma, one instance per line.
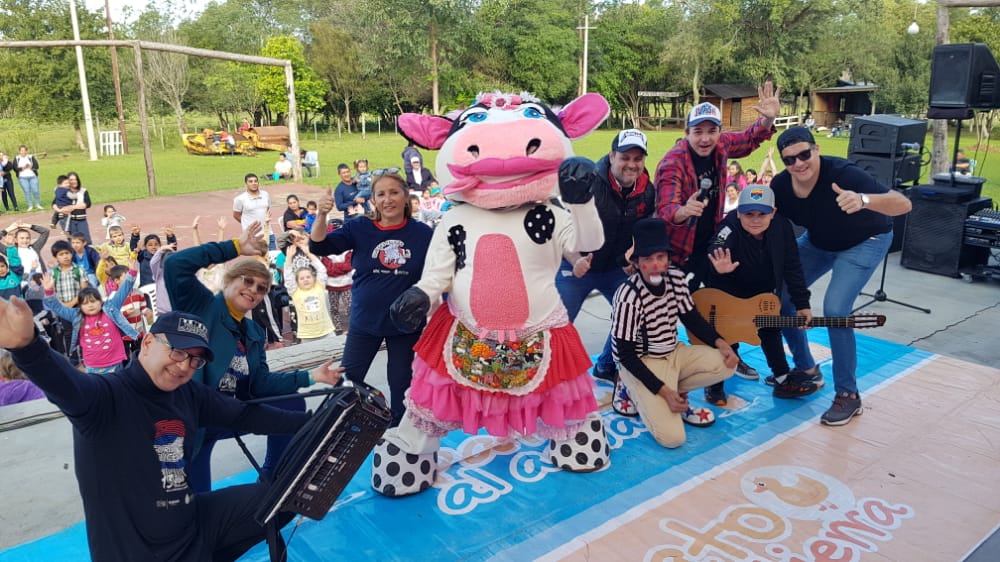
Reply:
x=688, y=181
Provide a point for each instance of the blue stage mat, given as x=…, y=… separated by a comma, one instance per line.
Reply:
x=504, y=501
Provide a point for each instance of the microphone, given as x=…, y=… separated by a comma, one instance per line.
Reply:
x=705, y=186
x=914, y=146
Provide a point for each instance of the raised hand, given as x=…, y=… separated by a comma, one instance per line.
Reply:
x=136, y=231
x=168, y=230
x=250, y=244
x=221, y=223
x=576, y=176
x=194, y=225
x=48, y=284
x=325, y=203
x=768, y=106
x=17, y=323
x=722, y=260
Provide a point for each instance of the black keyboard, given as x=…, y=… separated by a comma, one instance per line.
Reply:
x=326, y=453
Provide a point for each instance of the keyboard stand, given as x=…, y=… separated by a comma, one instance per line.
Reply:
x=276, y=548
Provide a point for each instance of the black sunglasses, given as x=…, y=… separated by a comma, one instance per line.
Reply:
x=802, y=156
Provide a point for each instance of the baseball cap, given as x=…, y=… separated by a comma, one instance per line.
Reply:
x=794, y=135
x=183, y=331
x=755, y=197
x=704, y=112
x=650, y=236
x=414, y=159
x=629, y=139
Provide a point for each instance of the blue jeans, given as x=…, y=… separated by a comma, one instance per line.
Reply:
x=30, y=188
x=573, y=291
x=852, y=268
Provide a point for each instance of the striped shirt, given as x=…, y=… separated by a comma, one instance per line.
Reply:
x=641, y=315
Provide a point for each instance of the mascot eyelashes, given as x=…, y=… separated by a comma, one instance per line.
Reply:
x=500, y=354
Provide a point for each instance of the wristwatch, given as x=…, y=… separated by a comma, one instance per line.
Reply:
x=865, y=200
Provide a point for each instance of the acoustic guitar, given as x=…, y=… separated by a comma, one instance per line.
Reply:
x=738, y=319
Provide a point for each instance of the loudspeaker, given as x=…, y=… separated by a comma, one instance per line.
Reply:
x=964, y=76
x=890, y=171
x=884, y=134
x=933, y=241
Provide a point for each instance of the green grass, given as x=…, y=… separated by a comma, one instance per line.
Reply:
x=120, y=178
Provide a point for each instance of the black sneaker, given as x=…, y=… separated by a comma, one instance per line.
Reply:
x=610, y=375
x=845, y=406
x=794, y=384
x=716, y=395
x=815, y=377
x=747, y=372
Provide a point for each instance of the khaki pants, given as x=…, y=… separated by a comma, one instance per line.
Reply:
x=686, y=369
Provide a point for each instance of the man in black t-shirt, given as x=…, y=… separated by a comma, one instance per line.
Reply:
x=847, y=215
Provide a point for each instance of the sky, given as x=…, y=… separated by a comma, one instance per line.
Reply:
x=136, y=7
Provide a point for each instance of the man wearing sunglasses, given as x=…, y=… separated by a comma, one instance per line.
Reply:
x=133, y=442
x=847, y=215
x=688, y=183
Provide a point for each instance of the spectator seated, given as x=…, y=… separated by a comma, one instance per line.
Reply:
x=311, y=161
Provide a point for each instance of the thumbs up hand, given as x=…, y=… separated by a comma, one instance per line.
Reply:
x=325, y=203
x=849, y=201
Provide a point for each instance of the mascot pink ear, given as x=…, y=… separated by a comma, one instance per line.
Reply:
x=427, y=131
x=583, y=115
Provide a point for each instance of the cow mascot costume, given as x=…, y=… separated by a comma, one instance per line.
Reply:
x=500, y=354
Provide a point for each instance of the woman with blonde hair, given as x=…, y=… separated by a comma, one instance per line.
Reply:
x=240, y=365
x=388, y=257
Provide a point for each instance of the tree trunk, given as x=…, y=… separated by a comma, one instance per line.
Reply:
x=79, y=136
x=434, y=69
x=940, y=155
x=347, y=111
x=696, y=95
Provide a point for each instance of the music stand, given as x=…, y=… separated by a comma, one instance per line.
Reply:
x=277, y=550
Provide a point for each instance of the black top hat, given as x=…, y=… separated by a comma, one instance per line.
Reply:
x=650, y=236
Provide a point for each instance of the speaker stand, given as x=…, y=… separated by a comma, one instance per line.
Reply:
x=880, y=295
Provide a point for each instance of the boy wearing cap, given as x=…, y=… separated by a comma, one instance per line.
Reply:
x=689, y=179
x=754, y=252
x=847, y=215
x=658, y=370
x=623, y=194
x=133, y=438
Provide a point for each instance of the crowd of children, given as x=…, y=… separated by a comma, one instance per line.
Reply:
x=94, y=301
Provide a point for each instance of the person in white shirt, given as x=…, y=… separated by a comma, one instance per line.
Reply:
x=251, y=206
x=26, y=167
x=283, y=167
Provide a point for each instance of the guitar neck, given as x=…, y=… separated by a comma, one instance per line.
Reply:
x=799, y=321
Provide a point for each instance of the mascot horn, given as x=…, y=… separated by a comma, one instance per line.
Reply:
x=501, y=354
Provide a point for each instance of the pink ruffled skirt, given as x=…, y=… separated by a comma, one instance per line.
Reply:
x=438, y=403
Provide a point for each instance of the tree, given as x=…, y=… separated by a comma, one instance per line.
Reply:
x=621, y=45
x=309, y=89
x=167, y=76
x=703, y=43
x=44, y=83
x=336, y=59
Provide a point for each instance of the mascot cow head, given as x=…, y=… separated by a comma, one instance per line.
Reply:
x=505, y=149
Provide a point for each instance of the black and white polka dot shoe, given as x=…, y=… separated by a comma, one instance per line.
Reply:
x=396, y=473
x=586, y=451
